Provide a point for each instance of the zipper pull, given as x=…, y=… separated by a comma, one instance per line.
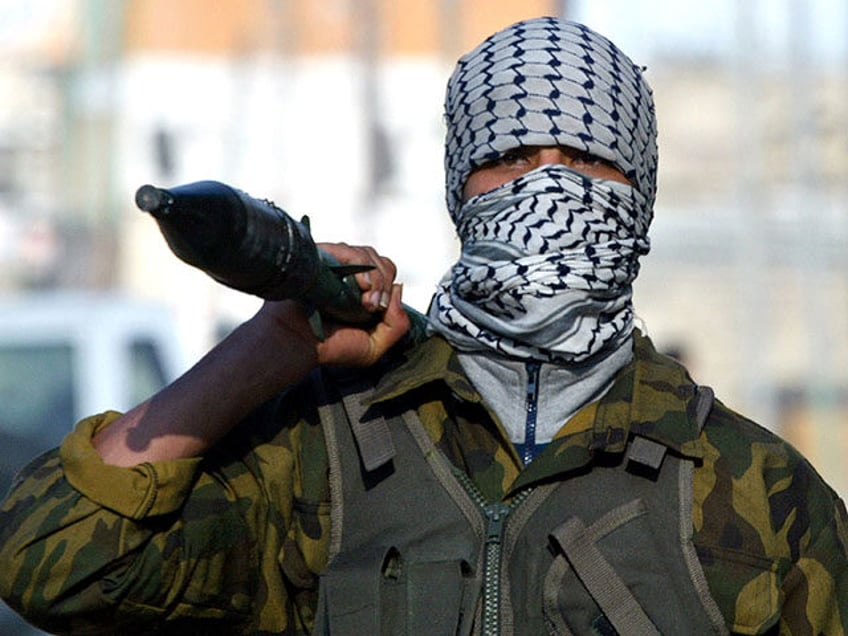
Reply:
x=532, y=395
x=496, y=515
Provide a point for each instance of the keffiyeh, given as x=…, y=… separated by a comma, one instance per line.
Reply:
x=547, y=259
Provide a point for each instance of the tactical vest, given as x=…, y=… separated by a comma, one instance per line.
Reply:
x=416, y=550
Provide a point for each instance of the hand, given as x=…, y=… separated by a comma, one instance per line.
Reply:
x=346, y=345
x=273, y=350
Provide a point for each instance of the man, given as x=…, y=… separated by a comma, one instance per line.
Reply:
x=532, y=467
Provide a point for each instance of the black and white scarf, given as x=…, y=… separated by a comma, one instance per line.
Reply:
x=547, y=259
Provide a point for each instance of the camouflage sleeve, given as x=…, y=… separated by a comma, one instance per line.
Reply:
x=816, y=587
x=87, y=547
x=771, y=534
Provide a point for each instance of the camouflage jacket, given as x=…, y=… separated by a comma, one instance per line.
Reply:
x=233, y=542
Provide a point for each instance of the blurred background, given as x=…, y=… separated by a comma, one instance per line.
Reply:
x=332, y=109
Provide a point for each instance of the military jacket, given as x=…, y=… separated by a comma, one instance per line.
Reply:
x=417, y=550
x=234, y=542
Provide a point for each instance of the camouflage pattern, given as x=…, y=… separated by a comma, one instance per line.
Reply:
x=232, y=543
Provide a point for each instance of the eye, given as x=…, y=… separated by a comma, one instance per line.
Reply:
x=511, y=157
x=588, y=159
x=597, y=167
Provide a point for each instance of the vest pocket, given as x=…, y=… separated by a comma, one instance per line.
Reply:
x=383, y=593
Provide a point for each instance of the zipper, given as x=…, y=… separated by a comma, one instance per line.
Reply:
x=496, y=515
x=532, y=408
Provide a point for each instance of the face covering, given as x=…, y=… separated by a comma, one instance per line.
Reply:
x=546, y=268
x=547, y=259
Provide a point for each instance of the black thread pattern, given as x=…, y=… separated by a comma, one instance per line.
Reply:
x=549, y=258
x=549, y=82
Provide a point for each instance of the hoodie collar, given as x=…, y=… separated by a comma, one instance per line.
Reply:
x=652, y=397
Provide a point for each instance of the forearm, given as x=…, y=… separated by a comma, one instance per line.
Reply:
x=189, y=416
x=274, y=350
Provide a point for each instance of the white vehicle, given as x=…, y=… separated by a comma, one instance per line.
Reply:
x=67, y=355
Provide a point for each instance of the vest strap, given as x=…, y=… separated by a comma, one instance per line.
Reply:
x=705, y=399
x=600, y=579
x=646, y=452
x=373, y=438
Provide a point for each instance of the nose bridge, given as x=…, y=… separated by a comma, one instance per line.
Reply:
x=552, y=155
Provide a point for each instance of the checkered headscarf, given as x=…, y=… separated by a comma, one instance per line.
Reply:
x=545, y=82
x=548, y=259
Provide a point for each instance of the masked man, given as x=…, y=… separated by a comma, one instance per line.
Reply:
x=533, y=466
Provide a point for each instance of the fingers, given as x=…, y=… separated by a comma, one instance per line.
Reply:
x=393, y=326
x=348, y=345
x=355, y=347
x=376, y=284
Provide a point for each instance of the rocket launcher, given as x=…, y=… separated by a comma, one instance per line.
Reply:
x=253, y=246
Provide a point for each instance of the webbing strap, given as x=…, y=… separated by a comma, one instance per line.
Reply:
x=649, y=453
x=601, y=580
x=706, y=399
x=646, y=452
x=373, y=438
